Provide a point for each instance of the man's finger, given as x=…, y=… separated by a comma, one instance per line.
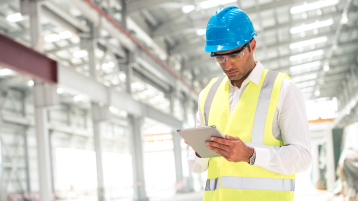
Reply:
x=217, y=145
x=220, y=140
x=220, y=151
x=231, y=137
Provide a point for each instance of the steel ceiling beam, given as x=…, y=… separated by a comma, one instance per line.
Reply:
x=136, y=6
x=30, y=62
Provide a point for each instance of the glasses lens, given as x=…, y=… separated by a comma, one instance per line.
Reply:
x=220, y=59
x=236, y=57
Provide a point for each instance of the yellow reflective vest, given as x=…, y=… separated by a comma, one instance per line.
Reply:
x=251, y=120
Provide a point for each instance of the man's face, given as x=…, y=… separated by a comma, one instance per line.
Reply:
x=239, y=69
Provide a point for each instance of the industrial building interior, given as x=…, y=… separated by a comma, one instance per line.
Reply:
x=93, y=91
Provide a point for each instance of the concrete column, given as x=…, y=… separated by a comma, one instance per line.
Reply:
x=43, y=97
x=177, y=147
x=42, y=139
x=99, y=113
x=2, y=193
x=124, y=13
x=331, y=176
x=136, y=140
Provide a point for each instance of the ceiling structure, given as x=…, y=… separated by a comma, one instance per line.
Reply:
x=300, y=38
x=313, y=41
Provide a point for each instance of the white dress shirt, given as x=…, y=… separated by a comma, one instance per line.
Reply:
x=290, y=125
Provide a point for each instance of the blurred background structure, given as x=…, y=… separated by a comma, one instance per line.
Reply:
x=92, y=91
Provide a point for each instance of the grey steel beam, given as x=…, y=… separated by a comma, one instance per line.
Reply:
x=18, y=34
x=136, y=6
x=98, y=92
x=63, y=18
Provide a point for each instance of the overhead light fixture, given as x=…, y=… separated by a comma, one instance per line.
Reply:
x=201, y=32
x=52, y=38
x=80, y=54
x=111, y=64
x=188, y=8
x=319, y=12
x=308, y=42
x=30, y=83
x=65, y=34
x=60, y=90
x=113, y=109
x=317, y=93
x=209, y=4
x=326, y=68
x=122, y=76
x=5, y=72
x=344, y=19
x=306, y=55
x=78, y=98
x=305, y=67
x=313, y=6
x=15, y=17
x=308, y=27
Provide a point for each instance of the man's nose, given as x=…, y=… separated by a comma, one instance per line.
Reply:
x=227, y=64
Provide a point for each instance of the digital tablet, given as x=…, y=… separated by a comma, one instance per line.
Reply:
x=196, y=138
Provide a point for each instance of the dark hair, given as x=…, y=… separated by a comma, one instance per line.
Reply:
x=249, y=45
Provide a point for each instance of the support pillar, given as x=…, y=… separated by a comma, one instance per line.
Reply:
x=331, y=176
x=190, y=180
x=42, y=138
x=2, y=193
x=177, y=149
x=136, y=140
x=44, y=96
x=99, y=114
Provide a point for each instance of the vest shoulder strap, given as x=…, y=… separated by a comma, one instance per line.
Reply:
x=210, y=97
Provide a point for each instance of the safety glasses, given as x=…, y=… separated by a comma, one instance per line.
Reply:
x=232, y=57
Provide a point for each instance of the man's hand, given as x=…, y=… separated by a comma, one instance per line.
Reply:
x=231, y=148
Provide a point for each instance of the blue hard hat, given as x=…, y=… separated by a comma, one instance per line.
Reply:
x=227, y=29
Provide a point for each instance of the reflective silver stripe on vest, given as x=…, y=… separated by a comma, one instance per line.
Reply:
x=258, y=183
x=210, y=98
x=258, y=128
x=212, y=184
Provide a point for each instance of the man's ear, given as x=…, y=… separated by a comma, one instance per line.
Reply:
x=253, y=45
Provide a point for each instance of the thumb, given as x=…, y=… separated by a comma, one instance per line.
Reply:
x=231, y=137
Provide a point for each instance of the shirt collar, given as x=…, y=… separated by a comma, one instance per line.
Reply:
x=255, y=74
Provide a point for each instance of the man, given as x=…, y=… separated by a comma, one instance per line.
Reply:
x=262, y=114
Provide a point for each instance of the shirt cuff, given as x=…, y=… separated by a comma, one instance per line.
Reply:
x=200, y=161
x=263, y=157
